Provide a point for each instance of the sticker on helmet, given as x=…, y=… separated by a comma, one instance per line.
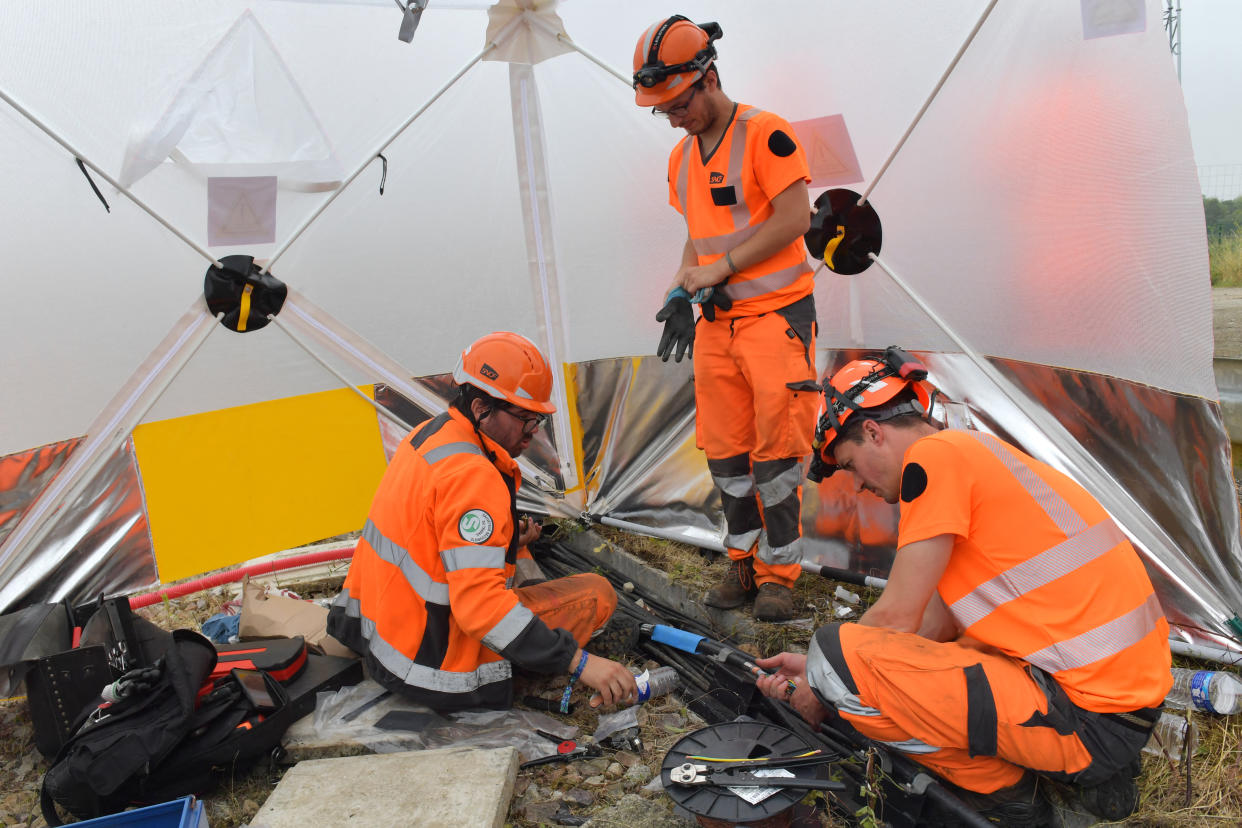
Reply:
x=475, y=526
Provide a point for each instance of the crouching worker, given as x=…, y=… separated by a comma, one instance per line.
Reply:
x=1018, y=633
x=429, y=600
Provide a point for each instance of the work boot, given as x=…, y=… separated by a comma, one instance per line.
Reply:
x=775, y=602
x=1021, y=805
x=737, y=585
x=1116, y=797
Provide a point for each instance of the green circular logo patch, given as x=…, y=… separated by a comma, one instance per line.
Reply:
x=475, y=526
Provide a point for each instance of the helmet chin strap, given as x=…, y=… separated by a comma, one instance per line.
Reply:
x=478, y=423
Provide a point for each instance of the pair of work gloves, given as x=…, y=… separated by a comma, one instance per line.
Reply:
x=678, y=318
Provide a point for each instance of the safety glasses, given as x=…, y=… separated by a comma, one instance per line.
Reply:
x=678, y=111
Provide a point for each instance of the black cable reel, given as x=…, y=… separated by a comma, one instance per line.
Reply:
x=844, y=234
x=244, y=293
x=732, y=743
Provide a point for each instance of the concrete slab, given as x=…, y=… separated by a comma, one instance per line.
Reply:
x=428, y=788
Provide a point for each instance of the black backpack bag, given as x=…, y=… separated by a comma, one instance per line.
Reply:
x=162, y=741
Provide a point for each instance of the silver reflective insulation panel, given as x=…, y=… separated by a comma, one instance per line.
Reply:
x=1160, y=464
x=99, y=544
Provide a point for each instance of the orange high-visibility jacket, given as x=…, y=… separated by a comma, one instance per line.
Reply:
x=427, y=599
x=727, y=197
x=1038, y=569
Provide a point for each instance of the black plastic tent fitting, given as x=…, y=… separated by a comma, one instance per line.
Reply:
x=240, y=283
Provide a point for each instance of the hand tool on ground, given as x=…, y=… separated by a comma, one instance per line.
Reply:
x=566, y=750
x=707, y=770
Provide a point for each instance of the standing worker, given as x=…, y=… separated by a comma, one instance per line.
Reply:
x=740, y=179
x=429, y=600
x=1018, y=633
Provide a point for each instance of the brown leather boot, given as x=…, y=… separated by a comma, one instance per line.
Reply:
x=737, y=585
x=775, y=602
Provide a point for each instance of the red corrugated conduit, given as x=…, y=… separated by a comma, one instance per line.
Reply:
x=267, y=567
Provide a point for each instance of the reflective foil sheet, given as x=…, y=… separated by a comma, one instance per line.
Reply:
x=100, y=544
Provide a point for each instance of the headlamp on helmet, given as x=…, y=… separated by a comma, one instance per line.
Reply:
x=864, y=388
x=670, y=56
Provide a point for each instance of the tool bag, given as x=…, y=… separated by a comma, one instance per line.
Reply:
x=155, y=744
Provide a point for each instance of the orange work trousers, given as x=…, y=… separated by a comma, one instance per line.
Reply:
x=756, y=401
x=581, y=604
x=975, y=718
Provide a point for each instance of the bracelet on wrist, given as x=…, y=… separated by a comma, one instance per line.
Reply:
x=728, y=257
x=569, y=688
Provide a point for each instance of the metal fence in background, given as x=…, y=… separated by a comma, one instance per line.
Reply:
x=1223, y=181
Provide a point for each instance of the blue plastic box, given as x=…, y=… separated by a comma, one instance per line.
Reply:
x=186, y=812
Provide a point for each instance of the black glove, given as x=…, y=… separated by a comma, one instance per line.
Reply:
x=678, y=321
x=713, y=297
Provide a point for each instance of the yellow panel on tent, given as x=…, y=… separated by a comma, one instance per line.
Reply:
x=232, y=484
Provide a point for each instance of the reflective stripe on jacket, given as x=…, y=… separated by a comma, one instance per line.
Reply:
x=1042, y=573
x=725, y=201
x=426, y=599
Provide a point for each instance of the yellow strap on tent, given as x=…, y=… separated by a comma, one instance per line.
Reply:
x=244, y=313
x=831, y=247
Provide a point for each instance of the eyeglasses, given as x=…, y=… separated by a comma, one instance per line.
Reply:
x=679, y=110
x=530, y=421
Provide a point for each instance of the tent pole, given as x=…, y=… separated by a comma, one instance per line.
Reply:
x=113, y=425
x=533, y=188
x=94, y=168
x=1122, y=502
x=564, y=38
x=345, y=382
x=918, y=116
x=383, y=145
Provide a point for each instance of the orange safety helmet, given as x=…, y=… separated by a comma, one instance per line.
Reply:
x=509, y=367
x=670, y=56
x=866, y=384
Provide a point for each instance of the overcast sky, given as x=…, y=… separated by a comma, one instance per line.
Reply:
x=1212, y=81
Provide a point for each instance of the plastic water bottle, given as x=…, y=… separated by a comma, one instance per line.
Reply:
x=1211, y=691
x=1172, y=736
x=657, y=682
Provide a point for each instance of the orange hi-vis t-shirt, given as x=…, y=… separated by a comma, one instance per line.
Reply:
x=728, y=196
x=1038, y=570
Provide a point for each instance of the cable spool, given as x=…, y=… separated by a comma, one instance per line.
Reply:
x=713, y=805
x=842, y=233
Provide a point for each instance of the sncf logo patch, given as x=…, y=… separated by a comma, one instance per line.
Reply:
x=489, y=372
x=717, y=178
x=475, y=526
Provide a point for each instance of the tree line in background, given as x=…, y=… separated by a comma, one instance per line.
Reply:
x=1224, y=230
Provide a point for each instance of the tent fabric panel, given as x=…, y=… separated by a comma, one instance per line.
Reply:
x=1081, y=243
x=440, y=258
x=237, y=483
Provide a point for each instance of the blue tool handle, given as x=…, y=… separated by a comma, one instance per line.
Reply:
x=673, y=637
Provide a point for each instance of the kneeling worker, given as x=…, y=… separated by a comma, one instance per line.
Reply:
x=429, y=600
x=1018, y=632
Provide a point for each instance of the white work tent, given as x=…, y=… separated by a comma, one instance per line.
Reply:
x=1043, y=248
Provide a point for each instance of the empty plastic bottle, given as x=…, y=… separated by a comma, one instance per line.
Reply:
x=651, y=683
x=1172, y=736
x=1211, y=691
x=657, y=682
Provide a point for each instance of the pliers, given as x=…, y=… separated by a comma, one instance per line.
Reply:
x=732, y=773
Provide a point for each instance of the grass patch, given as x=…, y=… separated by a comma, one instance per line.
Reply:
x=1225, y=259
